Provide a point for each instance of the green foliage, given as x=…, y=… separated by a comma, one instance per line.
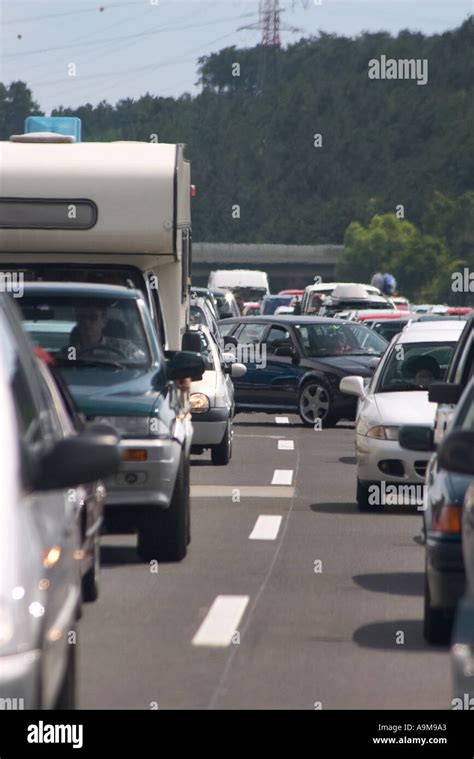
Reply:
x=16, y=103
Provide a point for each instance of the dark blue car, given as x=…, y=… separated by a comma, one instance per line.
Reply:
x=295, y=364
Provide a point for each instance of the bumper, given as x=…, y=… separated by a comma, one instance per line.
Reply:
x=372, y=454
x=209, y=428
x=144, y=483
x=445, y=572
x=20, y=681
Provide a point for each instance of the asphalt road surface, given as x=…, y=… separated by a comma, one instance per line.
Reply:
x=289, y=598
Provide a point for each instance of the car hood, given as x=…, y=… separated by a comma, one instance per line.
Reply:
x=344, y=365
x=207, y=385
x=412, y=407
x=127, y=392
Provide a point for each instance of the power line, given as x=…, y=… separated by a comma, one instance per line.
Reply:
x=100, y=8
x=138, y=35
x=130, y=74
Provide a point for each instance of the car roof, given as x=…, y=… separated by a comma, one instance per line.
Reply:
x=82, y=288
x=285, y=319
x=431, y=332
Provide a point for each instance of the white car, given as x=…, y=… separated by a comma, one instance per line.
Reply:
x=212, y=400
x=398, y=395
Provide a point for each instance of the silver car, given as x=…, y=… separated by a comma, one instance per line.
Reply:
x=40, y=578
x=212, y=400
x=398, y=395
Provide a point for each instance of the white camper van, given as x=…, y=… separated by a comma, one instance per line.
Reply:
x=112, y=213
x=249, y=284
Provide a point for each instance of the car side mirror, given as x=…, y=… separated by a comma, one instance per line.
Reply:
x=416, y=437
x=183, y=364
x=229, y=343
x=374, y=362
x=237, y=370
x=456, y=452
x=191, y=342
x=285, y=350
x=77, y=460
x=352, y=385
x=444, y=392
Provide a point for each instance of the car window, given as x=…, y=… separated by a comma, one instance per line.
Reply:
x=225, y=328
x=206, y=352
x=251, y=333
x=278, y=337
x=24, y=400
x=465, y=368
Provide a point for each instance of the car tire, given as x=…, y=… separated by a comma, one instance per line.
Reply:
x=164, y=534
x=66, y=698
x=221, y=454
x=90, y=581
x=314, y=402
x=437, y=623
x=362, y=498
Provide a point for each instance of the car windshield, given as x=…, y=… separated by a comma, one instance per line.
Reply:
x=414, y=366
x=80, y=331
x=339, y=340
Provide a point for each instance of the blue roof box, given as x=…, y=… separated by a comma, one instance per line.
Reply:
x=68, y=125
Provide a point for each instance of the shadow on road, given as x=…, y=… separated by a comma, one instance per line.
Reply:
x=114, y=556
x=334, y=508
x=351, y=508
x=398, y=583
x=384, y=636
x=347, y=459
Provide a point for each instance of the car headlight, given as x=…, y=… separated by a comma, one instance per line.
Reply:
x=127, y=426
x=199, y=403
x=381, y=432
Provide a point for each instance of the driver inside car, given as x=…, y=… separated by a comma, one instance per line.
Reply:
x=89, y=335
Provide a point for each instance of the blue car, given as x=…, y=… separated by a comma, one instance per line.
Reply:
x=103, y=340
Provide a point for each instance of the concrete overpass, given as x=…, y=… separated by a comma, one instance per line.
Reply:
x=287, y=266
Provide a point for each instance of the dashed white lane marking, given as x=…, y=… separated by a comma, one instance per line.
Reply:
x=282, y=477
x=282, y=420
x=266, y=527
x=286, y=445
x=244, y=491
x=221, y=621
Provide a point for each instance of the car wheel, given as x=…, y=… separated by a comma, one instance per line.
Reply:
x=66, y=698
x=314, y=403
x=90, y=581
x=221, y=454
x=362, y=498
x=163, y=535
x=437, y=623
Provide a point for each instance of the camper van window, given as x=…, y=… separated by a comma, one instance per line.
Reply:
x=32, y=213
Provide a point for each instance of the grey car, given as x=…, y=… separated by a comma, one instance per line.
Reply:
x=40, y=573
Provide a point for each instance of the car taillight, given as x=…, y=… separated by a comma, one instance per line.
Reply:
x=448, y=519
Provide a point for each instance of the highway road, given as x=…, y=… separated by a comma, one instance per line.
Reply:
x=289, y=598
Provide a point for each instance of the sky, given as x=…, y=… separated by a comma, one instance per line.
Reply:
x=72, y=52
